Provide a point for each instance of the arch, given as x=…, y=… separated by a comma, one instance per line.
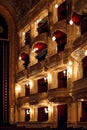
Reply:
x=61, y=39
x=40, y=48
x=9, y=15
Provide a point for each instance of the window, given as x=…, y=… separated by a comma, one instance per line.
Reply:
x=62, y=79
x=27, y=37
x=61, y=39
x=42, y=114
x=27, y=115
x=27, y=89
x=42, y=85
x=43, y=25
x=84, y=112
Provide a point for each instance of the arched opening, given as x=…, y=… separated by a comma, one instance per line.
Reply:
x=10, y=39
x=4, y=71
x=40, y=49
x=61, y=40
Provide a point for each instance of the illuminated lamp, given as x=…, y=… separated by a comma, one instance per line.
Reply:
x=25, y=58
x=76, y=18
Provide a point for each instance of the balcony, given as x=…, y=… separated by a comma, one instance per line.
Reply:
x=59, y=95
x=32, y=98
x=79, y=89
x=35, y=98
x=34, y=69
x=20, y=75
x=54, y=60
x=22, y=100
x=60, y=25
x=35, y=125
x=80, y=41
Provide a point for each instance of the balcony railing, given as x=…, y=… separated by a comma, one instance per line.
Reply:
x=80, y=41
x=51, y=61
x=35, y=98
x=20, y=75
x=35, y=124
x=34, y=69
x=79, y=87
x=22, y=100
x=59, y=95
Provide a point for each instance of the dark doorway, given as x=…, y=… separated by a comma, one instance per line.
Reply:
x=62, y=116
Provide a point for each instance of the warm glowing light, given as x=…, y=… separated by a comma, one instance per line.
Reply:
x=53, y=38
x=46, y=110
x=45, y=77
x=38, y=21
x=28, y=111
x=23, y=33
x=69, y=71
x=82, y=100
x=71, y=22
x=34, y=50
x=70, y=63
x=18, y=88
x=56, y=5
x=86, y=53
x=49, y=77
x=64, y=72
x=20, y=58
x=31, y=83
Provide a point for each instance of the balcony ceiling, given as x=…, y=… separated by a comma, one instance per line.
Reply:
x=21, y=7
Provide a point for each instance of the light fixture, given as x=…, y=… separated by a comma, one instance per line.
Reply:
x=28, y=111
x=45, y=77
x=70, y=63
x=56, y=5
x=20, y=58
x=18, y=88
x=71, y=22
x=86, y=53
x=46, y=110
x=23, y=33
x=34, y=50
x=53, y=38
x=64, y=72
x=38, y=21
